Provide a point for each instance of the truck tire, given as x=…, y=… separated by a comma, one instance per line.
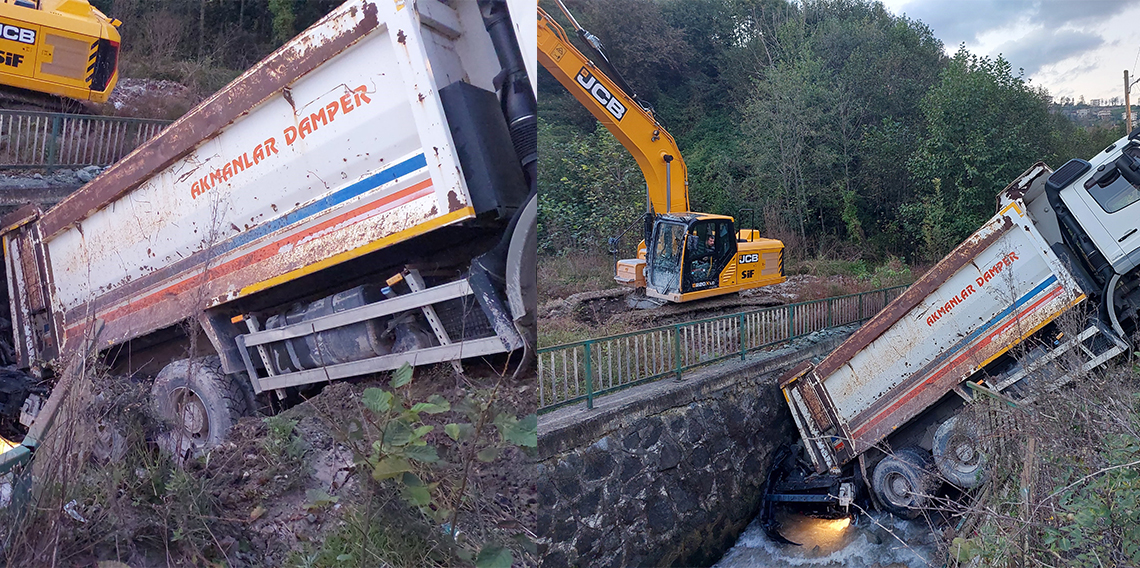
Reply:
x=200, y=401
x=522, y=274
x=958, y=453
x=903, y=482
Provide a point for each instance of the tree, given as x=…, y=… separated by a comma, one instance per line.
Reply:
x=284, y=20
x=590, y=189
x=983, y=128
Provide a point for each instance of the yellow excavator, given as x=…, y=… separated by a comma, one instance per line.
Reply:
x=58, y=47
x=693, y=255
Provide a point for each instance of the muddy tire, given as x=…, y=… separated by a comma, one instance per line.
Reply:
x=200, y=402
x=903, y=482
x=522, y=275
x=959, y=454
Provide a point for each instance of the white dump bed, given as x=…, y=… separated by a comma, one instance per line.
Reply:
x=998, y=287
x=335, y=146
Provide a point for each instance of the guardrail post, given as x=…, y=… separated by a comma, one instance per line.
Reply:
x=829, y=320
x=589, y=380
x=740, y=336
x=861, y=294
x=53, y=144
x=677, y=349
x=791, y=321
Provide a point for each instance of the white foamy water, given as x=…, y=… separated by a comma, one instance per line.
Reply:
x=5, y=491
x=867, y=542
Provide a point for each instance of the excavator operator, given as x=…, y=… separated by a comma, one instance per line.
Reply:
x=704, y=252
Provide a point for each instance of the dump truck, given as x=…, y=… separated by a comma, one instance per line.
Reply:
x=882, y=410
x=361, y=199
x=66, y=48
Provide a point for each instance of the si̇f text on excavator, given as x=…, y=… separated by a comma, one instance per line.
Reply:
x=690, y=255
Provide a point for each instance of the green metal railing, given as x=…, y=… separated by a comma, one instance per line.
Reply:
x=584, y=370
x=50, y=139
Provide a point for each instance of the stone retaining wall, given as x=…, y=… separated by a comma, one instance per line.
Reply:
x=669, y=473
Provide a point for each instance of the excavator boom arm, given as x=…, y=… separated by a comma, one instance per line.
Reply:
x=653, y=148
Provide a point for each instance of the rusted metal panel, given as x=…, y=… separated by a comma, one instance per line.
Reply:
x=21, y=318
x=267, y=78
x=22, y=216
x=30, y=268
x=810, y=393
x=916, y=294
x=29, y=283
x=795, y=374
x=994, y=290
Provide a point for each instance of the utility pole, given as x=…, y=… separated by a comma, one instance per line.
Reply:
x=1127, y=101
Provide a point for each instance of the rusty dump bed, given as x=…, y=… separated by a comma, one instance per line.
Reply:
x=995, y=289
x=335, y=146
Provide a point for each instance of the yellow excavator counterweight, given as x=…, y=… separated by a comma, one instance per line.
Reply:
x=58, y=47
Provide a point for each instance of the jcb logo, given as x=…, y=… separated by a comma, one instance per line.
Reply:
x=601, y=93
x=749, y=258
x=14, y=33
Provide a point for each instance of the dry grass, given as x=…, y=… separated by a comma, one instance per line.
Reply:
x=562, y=276
x=133, y=504
x=567, y=329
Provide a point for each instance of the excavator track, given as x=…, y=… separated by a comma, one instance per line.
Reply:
x=14, y=98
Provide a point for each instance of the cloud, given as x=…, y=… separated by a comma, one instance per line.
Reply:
x=1072, y=12
x=966, y=20
x=1044, y=46
x=962, y=21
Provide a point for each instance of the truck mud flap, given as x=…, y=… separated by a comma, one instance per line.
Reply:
x=494, y=308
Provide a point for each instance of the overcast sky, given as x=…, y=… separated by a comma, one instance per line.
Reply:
x=1071, y=47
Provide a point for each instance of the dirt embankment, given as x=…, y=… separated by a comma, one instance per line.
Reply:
x=619, y=310
x=296, y=489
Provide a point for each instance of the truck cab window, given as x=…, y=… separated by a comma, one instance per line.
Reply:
x=1114, y=192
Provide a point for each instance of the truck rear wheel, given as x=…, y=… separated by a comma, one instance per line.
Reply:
x=522, y=273
x=903, y=482
x=958, y=453
x=200, y=401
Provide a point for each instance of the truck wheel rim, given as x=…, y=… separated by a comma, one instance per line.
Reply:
x=898, y=489
x=963, y=455
x=195, y=420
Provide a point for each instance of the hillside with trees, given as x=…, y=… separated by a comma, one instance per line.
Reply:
x=847, y=128
x=203, y=44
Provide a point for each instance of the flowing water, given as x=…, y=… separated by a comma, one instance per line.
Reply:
x=877, y=540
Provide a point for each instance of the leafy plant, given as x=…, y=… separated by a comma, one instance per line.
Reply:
x=396, y=445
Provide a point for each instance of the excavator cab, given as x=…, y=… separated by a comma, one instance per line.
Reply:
x=690, y=253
